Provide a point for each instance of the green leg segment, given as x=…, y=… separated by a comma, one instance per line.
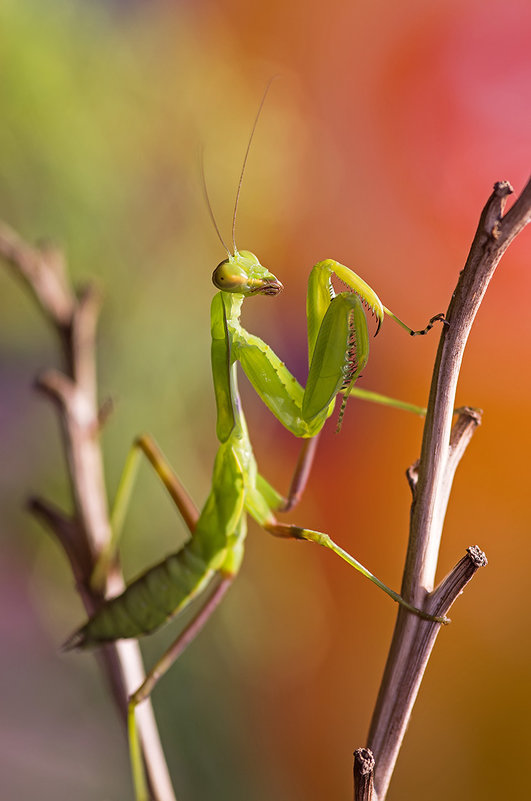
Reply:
x=295, y=532
x=146, y=445
x=375, y=397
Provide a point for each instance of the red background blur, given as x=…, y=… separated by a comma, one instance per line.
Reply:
x=378, y=146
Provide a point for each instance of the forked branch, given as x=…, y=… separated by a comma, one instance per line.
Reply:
x=431, y=480
x=85, y=534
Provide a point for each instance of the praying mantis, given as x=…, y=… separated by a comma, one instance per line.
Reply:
x=338, y=350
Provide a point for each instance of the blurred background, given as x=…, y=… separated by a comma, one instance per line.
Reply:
x=378, y=146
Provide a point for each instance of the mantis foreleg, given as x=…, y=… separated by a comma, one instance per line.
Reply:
x=438, y=318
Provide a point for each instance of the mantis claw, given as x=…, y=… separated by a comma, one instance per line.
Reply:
x=438, y=318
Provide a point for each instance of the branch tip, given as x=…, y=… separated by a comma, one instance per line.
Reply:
x=477, y=556
x=56, y=385
x=503, y=188
x=90, y=297
x=364, y=759
x=364, y=764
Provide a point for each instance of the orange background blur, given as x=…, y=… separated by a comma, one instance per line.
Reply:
x=378, y=146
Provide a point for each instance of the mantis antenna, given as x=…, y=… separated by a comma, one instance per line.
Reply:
x=209, y=205
x=255, y=123
x=240, y=181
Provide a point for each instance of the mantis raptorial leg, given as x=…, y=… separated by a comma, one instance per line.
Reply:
x=338, y=350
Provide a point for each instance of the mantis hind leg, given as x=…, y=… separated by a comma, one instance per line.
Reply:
x=267, y=499
x=295, y=532
x=161, y=667
x=384, y=400
x=143, y=444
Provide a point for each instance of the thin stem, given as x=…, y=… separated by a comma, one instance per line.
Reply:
x=431, y=481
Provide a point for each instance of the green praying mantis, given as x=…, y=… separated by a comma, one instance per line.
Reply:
x=338, y=350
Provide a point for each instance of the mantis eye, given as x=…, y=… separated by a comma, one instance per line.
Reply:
x=226, y=278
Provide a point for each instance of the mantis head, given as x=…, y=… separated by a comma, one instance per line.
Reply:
x=243, y=274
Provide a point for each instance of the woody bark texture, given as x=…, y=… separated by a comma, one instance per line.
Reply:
x=431, y=480
x=82, y=535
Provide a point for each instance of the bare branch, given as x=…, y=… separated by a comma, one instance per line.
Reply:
x=74, y=394
x=43, y=272
x=442, y=448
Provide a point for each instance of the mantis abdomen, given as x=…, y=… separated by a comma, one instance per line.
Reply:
x=165, y=589
x=149, y=601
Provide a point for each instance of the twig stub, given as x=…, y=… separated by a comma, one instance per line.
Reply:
x=364, y=764
x=477, y=556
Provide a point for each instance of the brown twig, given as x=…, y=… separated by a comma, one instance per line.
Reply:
x=85, y=534
x=431, y=481
x=363, y=775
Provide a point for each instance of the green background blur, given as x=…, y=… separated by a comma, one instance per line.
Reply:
x=378, y=146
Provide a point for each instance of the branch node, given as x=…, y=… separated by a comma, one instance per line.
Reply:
x=412, y=475
x=89, y=299
x=41, y=270
x=54, y=259
x=66, y=530
x=57, y=386
x=104, y=413
x=469, y=418
x=494, y=208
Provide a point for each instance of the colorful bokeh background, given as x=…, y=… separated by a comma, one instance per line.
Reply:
x=378, y=146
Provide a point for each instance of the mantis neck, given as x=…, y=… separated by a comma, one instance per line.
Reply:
x=233, y=306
